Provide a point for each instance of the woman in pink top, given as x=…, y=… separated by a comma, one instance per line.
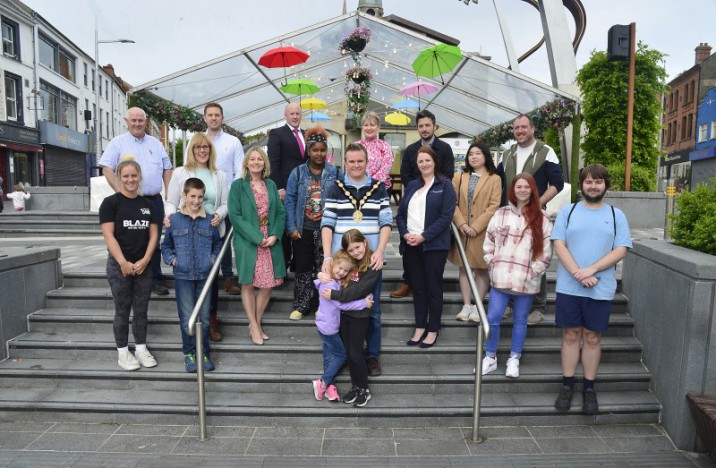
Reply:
x=380, y=156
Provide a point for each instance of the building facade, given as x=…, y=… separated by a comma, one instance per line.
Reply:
x=48, y=104
x=703, y=156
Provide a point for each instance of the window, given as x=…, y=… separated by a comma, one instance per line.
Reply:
x=100, y=86
x=106, y=89
x=13, y=97
x=92, y=80
x=106, y=121
x=84, y=77
x=56, y=58
x=60, y=107
x=702, y=132
x=10, y=39
x=713, y=129
x=691, y=126
x=683, y=127
x=693, y=91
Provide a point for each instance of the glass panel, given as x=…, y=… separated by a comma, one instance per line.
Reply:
x=50, y=95
x=393, y=45
x=67, y=66
x=69, y=112
x=8, y=40
x=23, y=174
x=249, y=102
x=258, y=120
x=475, y=108
x=11, y=98
x=47, y=53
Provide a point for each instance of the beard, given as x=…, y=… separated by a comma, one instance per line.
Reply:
x=593, y=198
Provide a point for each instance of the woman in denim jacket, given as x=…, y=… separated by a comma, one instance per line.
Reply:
x=304, y=203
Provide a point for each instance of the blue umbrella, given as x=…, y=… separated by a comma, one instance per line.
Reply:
x=317, y=116
x=406, y=104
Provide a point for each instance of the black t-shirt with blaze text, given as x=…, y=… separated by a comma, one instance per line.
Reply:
x=131, y=218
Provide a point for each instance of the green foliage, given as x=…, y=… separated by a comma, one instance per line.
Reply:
x=604, y=87
x=179, y=152
x=642, y=179
x=695, y=220
x=551, y=137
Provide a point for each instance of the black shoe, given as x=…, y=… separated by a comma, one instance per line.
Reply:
x=351, y=396
x=589, y=402
x=425, y=345
x=564, y=399
x=159, y=289
x=373, y=365
x=362, y=397
x=412, y=342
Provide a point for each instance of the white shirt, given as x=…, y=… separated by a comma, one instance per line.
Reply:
x=229, y=155
x=148, y=152
x=416, y=209
x=521, y=155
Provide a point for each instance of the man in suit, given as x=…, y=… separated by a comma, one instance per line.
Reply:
x=425, y=121
x=286, y=151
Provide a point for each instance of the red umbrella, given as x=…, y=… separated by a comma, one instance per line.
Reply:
x=283, y=57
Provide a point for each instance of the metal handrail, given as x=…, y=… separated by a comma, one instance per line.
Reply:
x=194, y=328
x=483, y=331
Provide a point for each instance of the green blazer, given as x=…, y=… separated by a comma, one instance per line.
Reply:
x=247, y=234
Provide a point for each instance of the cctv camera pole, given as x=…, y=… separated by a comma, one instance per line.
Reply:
x=630, y=105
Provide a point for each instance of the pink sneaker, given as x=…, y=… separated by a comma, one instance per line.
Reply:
x=332, y=393
x=319, y=388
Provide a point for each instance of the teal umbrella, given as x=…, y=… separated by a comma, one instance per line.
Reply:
x=437, y=60
x=300, y=86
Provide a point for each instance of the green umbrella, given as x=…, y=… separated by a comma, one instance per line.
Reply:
x=300, y=86
x=436, y=60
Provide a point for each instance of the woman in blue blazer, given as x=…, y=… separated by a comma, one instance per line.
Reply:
x=423, y=219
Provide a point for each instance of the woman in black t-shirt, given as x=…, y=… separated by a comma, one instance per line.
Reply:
x=130, y=228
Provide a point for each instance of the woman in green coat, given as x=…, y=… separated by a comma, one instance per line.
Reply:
x=258, y=218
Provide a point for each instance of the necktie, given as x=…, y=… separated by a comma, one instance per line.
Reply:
x=300, y=143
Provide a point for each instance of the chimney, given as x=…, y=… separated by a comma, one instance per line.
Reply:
x=109, y=69
x=703, y=51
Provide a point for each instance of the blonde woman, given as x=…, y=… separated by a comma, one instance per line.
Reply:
x=380, y=156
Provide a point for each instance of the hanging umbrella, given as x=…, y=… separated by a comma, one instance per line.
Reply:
x=418, y=88
x=312, y=103
x=283, y=57
x=300, y=86
x=397, y=118
x=436, y=60
x=318, y=116
x=406, y=104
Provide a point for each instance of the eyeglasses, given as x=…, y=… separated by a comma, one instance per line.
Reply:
x=202, y=148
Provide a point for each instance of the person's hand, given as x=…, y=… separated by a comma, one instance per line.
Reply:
x=295, y=235
x=127, y=268
x=465, y=229
x=326, y=294
x=471, y=232
x=270, y=241
x=376, y=261
x=369, y=301
x=167, y=223
x=282, y=194
x=584, y=273
x=215, y=220
x=324, y=277
x=326, y=268
x=415, y=240
x=140, y=266
x=589, y=282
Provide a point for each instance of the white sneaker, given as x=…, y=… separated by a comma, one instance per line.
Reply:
x=513, y=367
x=474, y=314
x=464, y=313
x=489, y=364
x=127, y=361
x=145, y=358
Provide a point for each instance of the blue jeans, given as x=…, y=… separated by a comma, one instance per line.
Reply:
x=187, y=293
x=156, y=262
x=495, y=311
x=372, y=349
x=334, y=357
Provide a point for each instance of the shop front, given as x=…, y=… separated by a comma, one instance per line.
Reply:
x=20, y=156
x=67, y=156
x=675, y=170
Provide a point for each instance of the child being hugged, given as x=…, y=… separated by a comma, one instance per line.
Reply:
x=328, y=323
x=191, y=245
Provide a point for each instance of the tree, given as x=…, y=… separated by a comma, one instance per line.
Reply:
x=604, y=87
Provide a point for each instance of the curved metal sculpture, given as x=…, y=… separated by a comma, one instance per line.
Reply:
x=576, y=8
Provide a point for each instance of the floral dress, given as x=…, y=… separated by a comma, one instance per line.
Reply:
x=263, y=272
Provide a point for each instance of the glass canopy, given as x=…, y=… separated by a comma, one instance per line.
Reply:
x=477, y=94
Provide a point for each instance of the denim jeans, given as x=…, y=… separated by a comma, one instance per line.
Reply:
x=495, y=311
x=372, y=349
x=155, y=264
x=334, y=357
x=187, y=293
x=131, y=295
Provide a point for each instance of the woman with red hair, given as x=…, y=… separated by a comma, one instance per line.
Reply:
x=517, y=252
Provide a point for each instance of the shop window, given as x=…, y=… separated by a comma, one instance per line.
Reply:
x=10, y=39
x=56, y=58
x=60, y=107
x=13, y=98
x=703, y=128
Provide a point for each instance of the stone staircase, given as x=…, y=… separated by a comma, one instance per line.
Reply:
x=49, y=223
x=64, y=368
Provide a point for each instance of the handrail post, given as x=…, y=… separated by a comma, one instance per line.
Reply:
x=200, y=379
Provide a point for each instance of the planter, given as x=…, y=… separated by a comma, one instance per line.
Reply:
x=358, y=79
x=356, y=44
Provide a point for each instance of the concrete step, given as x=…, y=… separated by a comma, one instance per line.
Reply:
x=271, y=409
x=234, y=324
x=44, y=215
x=51, y=345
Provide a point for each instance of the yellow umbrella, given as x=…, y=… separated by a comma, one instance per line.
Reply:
x=397, y=118
x=312, y=103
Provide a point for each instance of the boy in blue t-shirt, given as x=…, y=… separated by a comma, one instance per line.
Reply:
x=191, y=245
x=590, y=238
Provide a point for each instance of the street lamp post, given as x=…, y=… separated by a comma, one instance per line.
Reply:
x=97, y=113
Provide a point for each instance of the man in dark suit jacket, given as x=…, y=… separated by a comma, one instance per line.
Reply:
x=409, y=170
x=284, y=150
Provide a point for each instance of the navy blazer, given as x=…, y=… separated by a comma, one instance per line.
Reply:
x=284, y=154
x=440, y=204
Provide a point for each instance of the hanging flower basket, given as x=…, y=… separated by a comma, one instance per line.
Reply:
x=358, y=74
x=355, y=41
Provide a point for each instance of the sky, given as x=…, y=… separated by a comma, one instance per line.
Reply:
x=172, y=35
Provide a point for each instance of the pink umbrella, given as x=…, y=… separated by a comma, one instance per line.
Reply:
x=418, y=88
